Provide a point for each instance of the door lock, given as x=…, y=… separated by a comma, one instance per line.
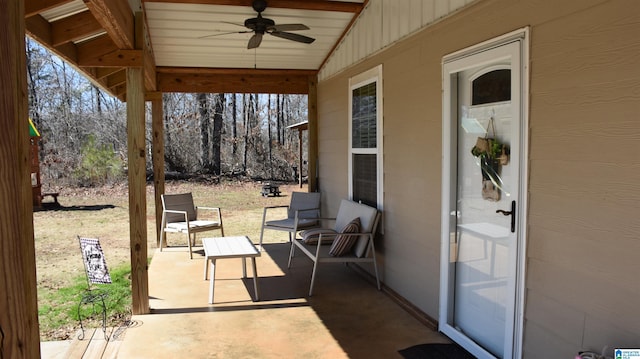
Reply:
x=511, y=213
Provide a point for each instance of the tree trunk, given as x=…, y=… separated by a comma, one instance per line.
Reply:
x=98, y=100
x=216, y=139
x=270, y=136
x=245, y=118
x=278, y=118
x=286, y=107
x=166, y=114
x=33, y=94
x=203, y=110
x=234, y=127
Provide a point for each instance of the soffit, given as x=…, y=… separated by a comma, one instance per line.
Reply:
x=200, y=35
x=97, y=37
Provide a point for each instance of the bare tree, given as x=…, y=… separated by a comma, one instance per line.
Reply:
x=219, y=102
x=234, y=141
x=203, y=111
x=279, y=119
x=245, y=119
x=202, y=134
x=270, y=136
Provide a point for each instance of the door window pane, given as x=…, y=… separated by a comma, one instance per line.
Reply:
x=494, y=86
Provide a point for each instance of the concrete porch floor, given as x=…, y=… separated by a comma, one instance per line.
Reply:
x=347, y=317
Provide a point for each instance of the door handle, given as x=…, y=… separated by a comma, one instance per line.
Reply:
x=511, y=213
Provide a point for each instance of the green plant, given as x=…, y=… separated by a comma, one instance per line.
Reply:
x=99, y=163
x=494, y=150
x=58, y=307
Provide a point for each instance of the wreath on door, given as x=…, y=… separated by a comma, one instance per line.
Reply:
x=492, y=155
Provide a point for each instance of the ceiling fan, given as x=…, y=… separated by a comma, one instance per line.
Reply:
x=261, y=25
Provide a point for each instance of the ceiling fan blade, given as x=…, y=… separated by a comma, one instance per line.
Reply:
x=232, y=23
x=223, y=33
x=254, y=41
x=293, y=37
x=288, y=27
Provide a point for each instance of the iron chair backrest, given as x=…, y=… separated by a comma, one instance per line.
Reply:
x=94, y=263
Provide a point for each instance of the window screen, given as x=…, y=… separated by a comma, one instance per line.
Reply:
x=365, y=184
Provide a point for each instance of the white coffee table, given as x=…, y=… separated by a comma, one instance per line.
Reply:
x=229, y=247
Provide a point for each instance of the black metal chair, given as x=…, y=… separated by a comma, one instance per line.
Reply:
x=97, y=273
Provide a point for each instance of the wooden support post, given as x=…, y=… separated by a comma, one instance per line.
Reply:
x=158, y=160
x=312, y=168
x=19, y=332
x=137, y=191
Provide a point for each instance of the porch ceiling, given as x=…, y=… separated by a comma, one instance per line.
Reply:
x=174, y=46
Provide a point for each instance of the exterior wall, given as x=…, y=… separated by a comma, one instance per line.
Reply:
x=583, y=245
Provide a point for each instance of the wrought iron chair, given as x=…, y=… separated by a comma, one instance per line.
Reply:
x=97, y=273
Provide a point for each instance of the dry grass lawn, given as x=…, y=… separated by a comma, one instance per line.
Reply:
x=103, y=213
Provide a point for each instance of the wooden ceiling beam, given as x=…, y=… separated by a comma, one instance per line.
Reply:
x=234, y=71
x=116, y=58
x=100, y=81
x=321, y=5
x=90, y=57
x=104, y=72
x=35, y=7
x=119, y=91
x=233, y=80
x=102, y=52
x=94, y=48
x=117, y=78
x=74, y=28
x=143, y=41
x=116, y=17
x=153, y=96
x=40, y=30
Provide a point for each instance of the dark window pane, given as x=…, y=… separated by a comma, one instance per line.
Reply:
x=494, y=86
x=365, y=179
x=363, y=116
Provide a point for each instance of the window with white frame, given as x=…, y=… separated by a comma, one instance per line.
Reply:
x=365, y=137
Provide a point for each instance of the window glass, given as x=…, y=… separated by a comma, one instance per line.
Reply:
x=365, y=138
x=494, y=86
x=363, y=130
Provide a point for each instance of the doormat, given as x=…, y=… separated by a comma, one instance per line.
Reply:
x=435, y=351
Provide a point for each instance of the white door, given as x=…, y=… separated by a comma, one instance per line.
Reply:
x=482, y=201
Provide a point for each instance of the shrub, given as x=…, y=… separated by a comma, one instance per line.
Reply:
x=99, y=164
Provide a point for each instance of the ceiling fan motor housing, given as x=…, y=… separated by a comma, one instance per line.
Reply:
x=259, y=5
x=259, y=24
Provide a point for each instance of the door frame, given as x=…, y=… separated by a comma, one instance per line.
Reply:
x=449, y=155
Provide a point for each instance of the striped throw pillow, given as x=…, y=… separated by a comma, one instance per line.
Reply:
x=310, y=236
x=344, y=241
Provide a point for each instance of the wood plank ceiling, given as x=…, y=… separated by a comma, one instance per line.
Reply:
x=189, y=45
